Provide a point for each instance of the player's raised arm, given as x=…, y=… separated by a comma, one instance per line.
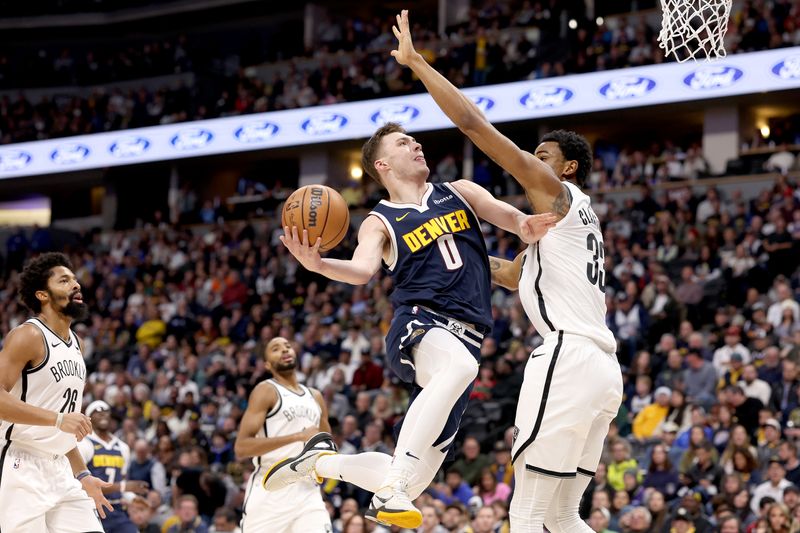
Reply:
x=544, y=188
x=506, y=273
x=22, y=346
x=262, y=399
x=359, y=270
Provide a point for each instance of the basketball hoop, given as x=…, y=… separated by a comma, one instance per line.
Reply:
x=694, y=29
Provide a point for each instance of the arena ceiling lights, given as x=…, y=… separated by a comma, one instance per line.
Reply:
x=773, y=70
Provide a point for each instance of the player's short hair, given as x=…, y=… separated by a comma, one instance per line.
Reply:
x=369, y=152
x=574, y=147
x=35, y=275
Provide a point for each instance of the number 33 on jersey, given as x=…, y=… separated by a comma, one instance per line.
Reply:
x=564, y=267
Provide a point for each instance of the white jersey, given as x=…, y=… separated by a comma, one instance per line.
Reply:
x=292, y=414
x=55, y=384
x=562, y=284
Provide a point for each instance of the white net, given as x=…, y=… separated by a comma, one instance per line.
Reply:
x=694, y=29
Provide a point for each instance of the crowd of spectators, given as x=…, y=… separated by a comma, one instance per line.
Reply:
x=702, y=294
x=500, y=42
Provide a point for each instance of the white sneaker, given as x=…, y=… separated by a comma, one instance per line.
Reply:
x=293, y=469
x=391, y=506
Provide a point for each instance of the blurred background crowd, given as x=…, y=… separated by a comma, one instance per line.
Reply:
x=702, y=294
x=228, y=73
x=702, y=281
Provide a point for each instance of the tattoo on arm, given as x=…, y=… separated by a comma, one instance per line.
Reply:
x=494, y=264
x=562, y=202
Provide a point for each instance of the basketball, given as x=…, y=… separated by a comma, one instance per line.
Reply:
x=320, y=210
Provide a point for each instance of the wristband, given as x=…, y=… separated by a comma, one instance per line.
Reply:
x=83, y=474
x=59, y=420
x=122, y=487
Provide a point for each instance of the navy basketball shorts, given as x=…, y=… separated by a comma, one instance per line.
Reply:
x=409, y=326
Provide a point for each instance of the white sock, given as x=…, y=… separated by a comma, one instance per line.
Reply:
x=445, y=369
x=533, y=494
x=365, y=470
x=562, y=516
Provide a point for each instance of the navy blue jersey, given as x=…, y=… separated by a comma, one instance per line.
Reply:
x=438, y=257
x=107, y=460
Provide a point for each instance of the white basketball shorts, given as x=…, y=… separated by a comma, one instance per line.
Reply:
x=571, y=392
x=297, y=508
x=39, y=494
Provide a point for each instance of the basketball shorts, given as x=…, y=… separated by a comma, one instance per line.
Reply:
x=297, y=508
x=409, y=325
x=571, y=391
x=39, y=494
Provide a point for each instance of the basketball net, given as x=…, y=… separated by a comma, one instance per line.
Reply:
x=694, y=29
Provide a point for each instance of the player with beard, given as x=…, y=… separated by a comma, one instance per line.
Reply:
x=281, y=415
x=108, y=459
x=44, y=482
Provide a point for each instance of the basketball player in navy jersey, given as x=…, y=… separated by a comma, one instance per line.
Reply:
x=573, y=385
x=44, y=482
x=428, y=238
x=281, y=415
x=107, y=458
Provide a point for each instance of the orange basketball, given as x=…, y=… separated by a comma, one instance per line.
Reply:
x=320, y=210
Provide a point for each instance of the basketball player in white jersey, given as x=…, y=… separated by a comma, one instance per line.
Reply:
x=573, y=383
x=44, y=482
x=281, y=416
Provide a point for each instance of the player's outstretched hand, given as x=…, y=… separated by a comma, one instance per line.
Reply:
x=76, y=423
x=306, y=254
x=137, y=487
x=405, y=46
x=94, y=488
x=534, y=227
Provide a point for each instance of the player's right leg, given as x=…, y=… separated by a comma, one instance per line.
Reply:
x=25, y=494
x=445, y=369
x=563, y=514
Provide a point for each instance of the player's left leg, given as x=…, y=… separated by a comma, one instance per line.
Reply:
x=75, y=511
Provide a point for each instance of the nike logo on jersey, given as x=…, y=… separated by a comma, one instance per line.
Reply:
x=412, y=455
x=398, y=219
x=54, y=344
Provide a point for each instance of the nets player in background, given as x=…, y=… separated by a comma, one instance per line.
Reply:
x=44, y=483
x=428, y=238
x=281, y=415
x=108, y=458
x=573, y=384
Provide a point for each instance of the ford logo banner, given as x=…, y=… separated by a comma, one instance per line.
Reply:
x=13, y=160
x=546, y=97
x=400, y=113
x=788, y=69
x=324, y=123
x=69, y=154
x=628, y=87
x=713, y=77
x=484, y=103
x=191, y=139
x=256, y=132
x=129, y=146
